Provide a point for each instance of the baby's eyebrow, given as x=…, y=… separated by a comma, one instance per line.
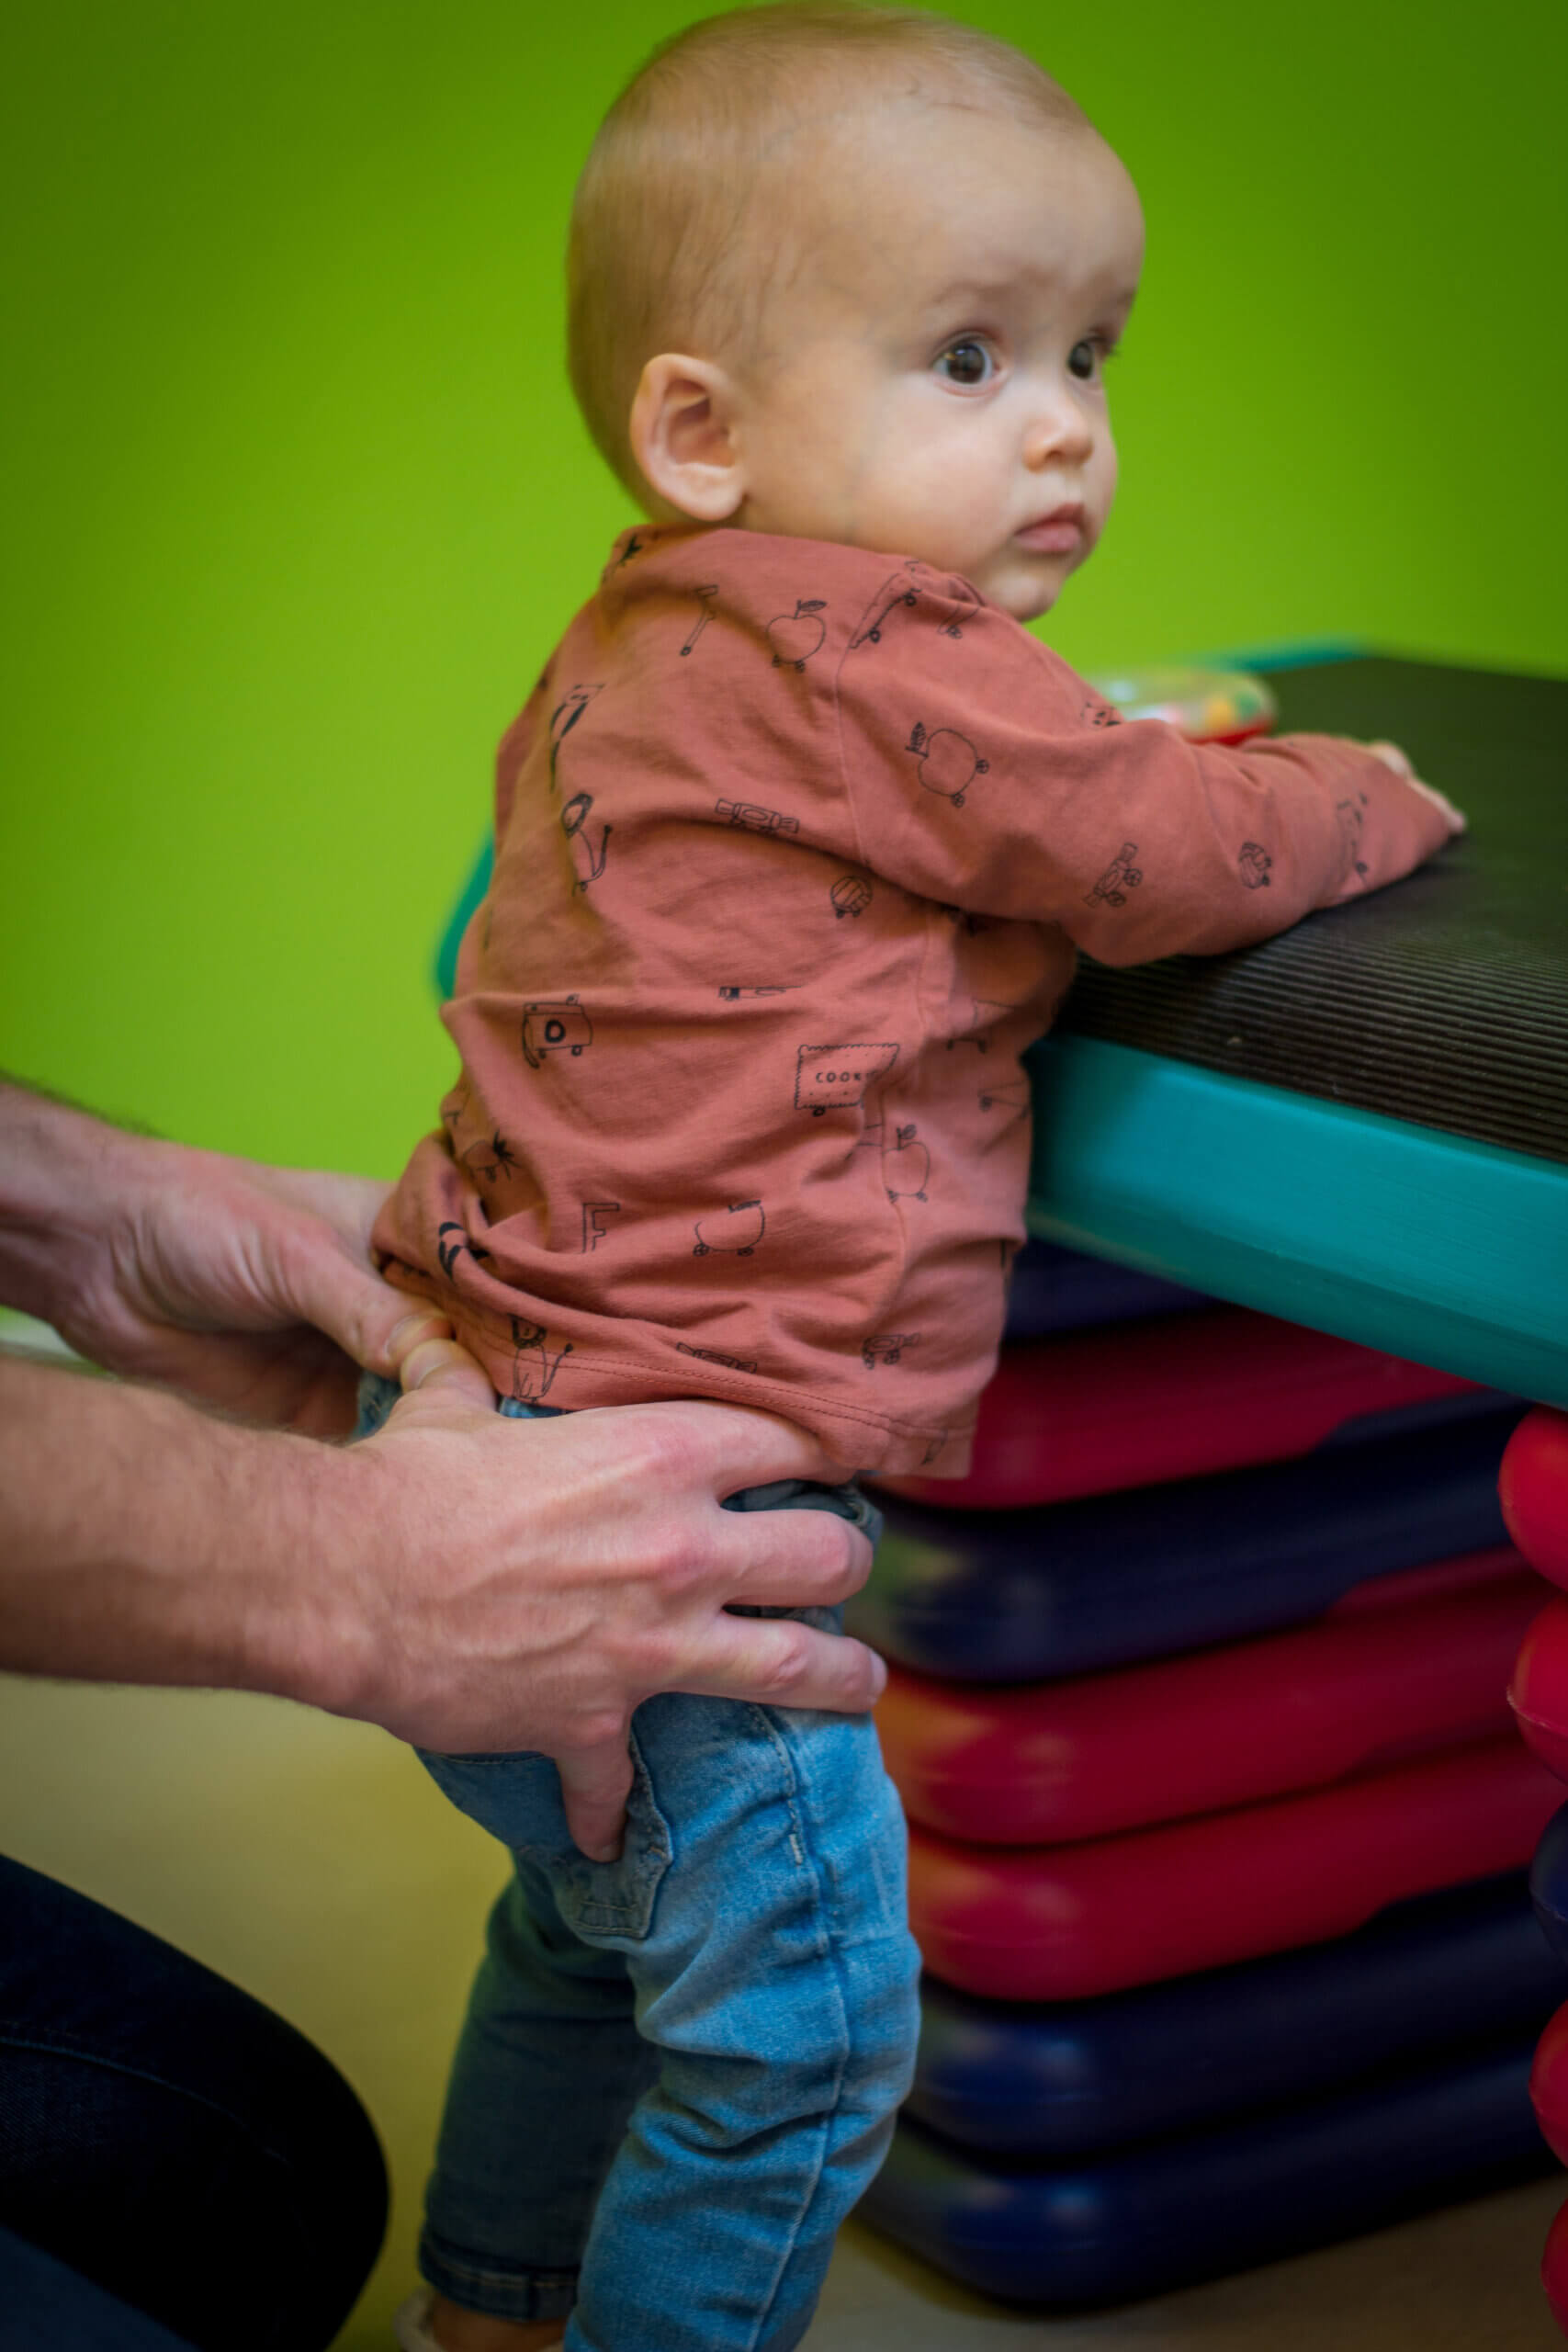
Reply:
x=964, y=291
x=976, y=292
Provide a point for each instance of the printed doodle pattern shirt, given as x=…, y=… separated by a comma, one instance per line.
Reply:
x=796, y=845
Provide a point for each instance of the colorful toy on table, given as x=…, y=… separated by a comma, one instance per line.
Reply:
x=1058, y=1761
x=1059, y=2079
x=1092, y=1412
x=1162, y=2213
x=1064, y=1922
x=1206, y=706
x=1013, y=1596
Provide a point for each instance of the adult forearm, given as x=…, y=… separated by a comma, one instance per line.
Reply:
x=62, y=1173
x=142, y=1541
x=465, y=1581
x=250, y=1287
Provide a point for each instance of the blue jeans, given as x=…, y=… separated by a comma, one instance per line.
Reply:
x=680, y=2070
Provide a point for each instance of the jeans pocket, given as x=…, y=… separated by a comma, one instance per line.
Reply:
x=515, y=1797
x=612, y=1901
x=518, y=1800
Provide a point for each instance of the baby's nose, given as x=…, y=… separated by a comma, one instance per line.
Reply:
x=1059, y=430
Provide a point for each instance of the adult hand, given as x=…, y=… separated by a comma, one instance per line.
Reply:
x=247, y=1286
x=587, y=1565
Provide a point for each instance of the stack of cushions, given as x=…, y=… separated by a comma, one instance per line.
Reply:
x=1535, y=1501
x=1219, y=1824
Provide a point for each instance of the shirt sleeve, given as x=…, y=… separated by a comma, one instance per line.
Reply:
x=983, y=772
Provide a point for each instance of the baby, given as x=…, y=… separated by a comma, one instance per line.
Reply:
x=796, y=840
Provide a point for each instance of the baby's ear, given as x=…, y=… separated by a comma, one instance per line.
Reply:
x=681, y=436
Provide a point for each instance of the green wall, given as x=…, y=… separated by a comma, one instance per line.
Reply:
x=298, y=501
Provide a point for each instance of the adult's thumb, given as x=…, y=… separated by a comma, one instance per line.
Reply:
x=594, y=1784
x=432, y=1361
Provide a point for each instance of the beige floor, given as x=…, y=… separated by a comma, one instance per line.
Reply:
x=312, y=1861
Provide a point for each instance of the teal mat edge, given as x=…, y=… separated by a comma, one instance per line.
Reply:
x=1432, y=1247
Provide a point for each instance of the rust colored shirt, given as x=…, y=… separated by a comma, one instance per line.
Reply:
x=796, y=846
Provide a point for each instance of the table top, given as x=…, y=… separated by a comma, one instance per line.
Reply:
x=1363, y=1124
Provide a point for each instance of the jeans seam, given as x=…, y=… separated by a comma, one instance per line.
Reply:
x=482, y=2275
x=828, y=1953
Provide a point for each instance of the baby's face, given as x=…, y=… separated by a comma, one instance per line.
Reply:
x=933, y=380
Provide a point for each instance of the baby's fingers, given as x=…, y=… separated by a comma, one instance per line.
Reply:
x=1455, y=818
x=1392, y=757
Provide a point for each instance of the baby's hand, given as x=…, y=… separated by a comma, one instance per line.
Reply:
x=1392, y=757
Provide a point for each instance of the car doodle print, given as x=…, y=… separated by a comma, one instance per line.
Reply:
x=738, y=1240
x=1119, y=876
x=554, y=1025
x=905, y=586
x=835, y=1077
x=795, y=637
x=949, y=762
x=850, y=895
x=1253, y=866
x=887, y=1347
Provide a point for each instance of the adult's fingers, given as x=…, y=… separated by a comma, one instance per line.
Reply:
x=793, y=1559
x=778, y=1662
x=439, y=1367
x=594, y=1784
x=730, y=1446
x=315, y=1233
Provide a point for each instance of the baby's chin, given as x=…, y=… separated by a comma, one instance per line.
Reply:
x=1025, y=590
x=1028, y=585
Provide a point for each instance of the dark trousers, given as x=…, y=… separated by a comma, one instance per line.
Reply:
x=168, y=2144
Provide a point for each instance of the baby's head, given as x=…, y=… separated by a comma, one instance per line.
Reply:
x=852, y=273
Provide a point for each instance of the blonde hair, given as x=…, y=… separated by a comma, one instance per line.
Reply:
x=658, y=258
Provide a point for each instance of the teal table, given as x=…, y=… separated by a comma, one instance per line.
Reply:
x=1363, y=1124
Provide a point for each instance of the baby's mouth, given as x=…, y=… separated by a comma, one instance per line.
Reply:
x=1061, y=532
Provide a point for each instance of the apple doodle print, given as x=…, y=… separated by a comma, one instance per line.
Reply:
x=795, y=637
x=948, y=762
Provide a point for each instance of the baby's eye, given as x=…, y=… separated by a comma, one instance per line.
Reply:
x=967, y=362
x=1087, y=357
